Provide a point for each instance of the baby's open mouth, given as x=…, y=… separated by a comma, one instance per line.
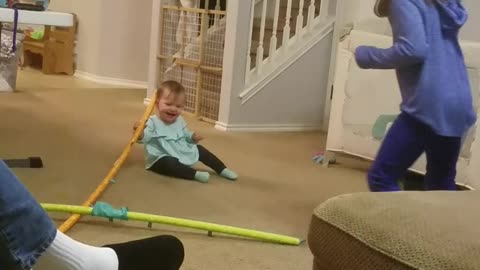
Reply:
x=171, y=114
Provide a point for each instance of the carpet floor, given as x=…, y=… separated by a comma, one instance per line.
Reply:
x=79, y=128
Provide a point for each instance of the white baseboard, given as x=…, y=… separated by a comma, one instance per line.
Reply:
x=267, y=127
x=110, y=81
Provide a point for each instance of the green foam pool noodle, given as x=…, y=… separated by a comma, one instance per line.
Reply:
x=210, y=227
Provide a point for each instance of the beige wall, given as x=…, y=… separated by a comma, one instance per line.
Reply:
x=61, y=5
x=470, y=31
x=296, y=98
x=125, y=39
x=113, y=36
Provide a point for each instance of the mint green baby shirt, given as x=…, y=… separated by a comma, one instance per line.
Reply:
x=173, y=140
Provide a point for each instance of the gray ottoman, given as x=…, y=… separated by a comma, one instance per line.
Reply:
x=403, y=230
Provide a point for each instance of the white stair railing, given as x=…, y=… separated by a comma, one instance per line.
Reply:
x=217, y=7
x=307, y=14
x=260, y=49
x=248, y=72
x=286, y=28
x=311, y=13
x=300, y=18
x=273, y=39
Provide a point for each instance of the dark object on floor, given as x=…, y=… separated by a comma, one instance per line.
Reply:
x=31, y=162
x=29, y=7
x=414, y=182
x=463, y=188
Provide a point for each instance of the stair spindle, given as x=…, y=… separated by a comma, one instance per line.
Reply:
x=218, y=6
x=286, y=28
x=260, y=48
x=324, y=9
x=311, y=13
x=248, y=72
x=299, y=27
x=273, y=39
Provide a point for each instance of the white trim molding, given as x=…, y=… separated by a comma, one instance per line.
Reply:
x=266, y=127
x=294, y=55
x=146, y=101
x=110, y=81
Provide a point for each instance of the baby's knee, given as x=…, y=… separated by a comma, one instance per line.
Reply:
x=169, y=162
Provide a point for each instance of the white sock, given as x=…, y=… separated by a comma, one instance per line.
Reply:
x=67, y=254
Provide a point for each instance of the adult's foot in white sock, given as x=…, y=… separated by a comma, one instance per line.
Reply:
x=67, y=254
x=160, y=252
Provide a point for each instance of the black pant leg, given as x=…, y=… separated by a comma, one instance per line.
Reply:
x=209, y=159
x=172, y=167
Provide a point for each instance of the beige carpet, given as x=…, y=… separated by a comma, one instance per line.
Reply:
x=79, y=129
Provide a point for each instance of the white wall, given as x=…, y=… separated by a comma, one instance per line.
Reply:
x=471, y=31
x=293, y=99
x=125, y=40
x=61, y=5
x=113, y=36
x=361, y=13
x=88, y=13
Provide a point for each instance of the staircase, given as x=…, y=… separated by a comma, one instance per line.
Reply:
x=283, y=7
x=276, y=66
x=282, y=31
x=271, y=61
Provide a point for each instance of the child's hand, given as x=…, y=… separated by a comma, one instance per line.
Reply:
x=197, y=138
x=135, y=127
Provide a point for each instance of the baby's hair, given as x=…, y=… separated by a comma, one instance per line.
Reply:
x=175, y=88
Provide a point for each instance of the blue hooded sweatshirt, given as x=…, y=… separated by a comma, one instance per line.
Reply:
x=429, y=63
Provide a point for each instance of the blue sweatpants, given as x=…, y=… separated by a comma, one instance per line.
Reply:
x=406, y=140
x=26, y=230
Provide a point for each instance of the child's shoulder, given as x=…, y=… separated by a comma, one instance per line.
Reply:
x=155, y=122
x=151, y=120
x=180, y=119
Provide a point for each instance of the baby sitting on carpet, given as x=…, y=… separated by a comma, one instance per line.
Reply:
x=170, y=148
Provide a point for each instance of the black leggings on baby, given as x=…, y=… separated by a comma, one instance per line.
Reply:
x=172, y=167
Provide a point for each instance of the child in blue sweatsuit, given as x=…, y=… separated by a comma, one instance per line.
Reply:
x=436, y=108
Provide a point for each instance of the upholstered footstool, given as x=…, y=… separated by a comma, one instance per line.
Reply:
x=402, y=230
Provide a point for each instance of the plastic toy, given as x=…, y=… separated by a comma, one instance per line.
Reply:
x=105, y=210
x=92, y=199
x=319, y=157
x=31, y=162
